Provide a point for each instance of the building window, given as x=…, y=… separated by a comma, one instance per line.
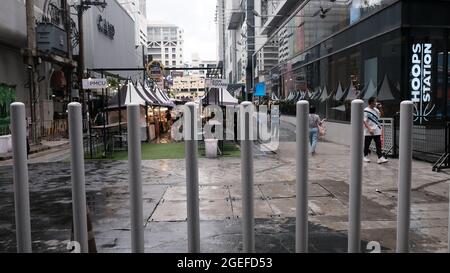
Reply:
x=174, y=63
x=166, y=50
x=167, y=56
x=173, y=56
x=167, y=63
x=173, y=50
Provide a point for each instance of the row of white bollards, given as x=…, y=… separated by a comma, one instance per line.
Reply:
x=21, y=190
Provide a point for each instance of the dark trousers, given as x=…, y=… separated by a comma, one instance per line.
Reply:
x=368, y=140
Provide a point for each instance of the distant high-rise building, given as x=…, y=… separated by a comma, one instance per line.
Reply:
x=137, y=10
x=165, y=43
x=221, y=29
x=196, y=62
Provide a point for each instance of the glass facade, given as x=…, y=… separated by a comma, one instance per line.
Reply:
x=318, y=20
x=330, y=55
x=332, y=52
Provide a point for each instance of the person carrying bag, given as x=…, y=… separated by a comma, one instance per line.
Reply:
x=316, y=129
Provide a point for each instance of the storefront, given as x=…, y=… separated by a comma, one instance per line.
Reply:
x=393, y=50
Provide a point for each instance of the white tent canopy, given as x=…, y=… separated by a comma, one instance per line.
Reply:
x=143, y=94
x=371, y=90
x=339, y=92
x=162, y=96
x=274, y=97
x=385, y=93
x=219, y=97
x=133, y=97
x=324, y=95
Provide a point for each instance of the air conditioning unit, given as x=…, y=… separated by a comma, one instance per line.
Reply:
x=51, y=39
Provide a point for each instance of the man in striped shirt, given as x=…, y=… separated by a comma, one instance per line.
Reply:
x=372, y=130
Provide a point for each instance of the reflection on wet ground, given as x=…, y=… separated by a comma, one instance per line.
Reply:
x=107, y=197
x=220, y=204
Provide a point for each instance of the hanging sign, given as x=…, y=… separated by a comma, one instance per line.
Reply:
x=155, y=70
x=95, y=83
x=260, y=90
x=216, y=83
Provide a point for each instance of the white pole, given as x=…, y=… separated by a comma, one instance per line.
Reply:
x=357, y=146
x=20, y=167
x=135, y=178
x=404, y=176
x=246, y=114
x=78, y=182
x=301, y=236
x=193, y=213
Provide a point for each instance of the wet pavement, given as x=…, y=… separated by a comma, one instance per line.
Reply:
x=220, y=204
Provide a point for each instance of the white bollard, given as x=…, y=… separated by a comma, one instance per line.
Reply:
x=302, y=153
x=248, y=221
x=21, y=190
x=135, y=178
x=357, y=147
x=192, y=195
x=404, y=176
x=78, y=180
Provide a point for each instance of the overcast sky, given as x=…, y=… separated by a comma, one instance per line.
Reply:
x=196, y=17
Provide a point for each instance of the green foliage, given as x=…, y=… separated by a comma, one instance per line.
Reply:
x=7, y=96
x=113, y=83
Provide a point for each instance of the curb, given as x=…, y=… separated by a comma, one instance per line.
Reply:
x=37, y=149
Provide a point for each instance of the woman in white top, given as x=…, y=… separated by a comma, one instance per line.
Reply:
x=314, y=123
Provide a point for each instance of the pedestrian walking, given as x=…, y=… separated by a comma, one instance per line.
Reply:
x=314, y=127
x=372, y=130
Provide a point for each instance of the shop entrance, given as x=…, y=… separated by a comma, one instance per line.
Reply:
x=107, y=129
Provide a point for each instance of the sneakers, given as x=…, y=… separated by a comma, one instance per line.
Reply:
x=382, y=160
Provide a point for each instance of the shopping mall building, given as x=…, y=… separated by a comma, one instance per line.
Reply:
x=335, y=51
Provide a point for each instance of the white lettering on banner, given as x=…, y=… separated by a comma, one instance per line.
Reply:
x=216, y=83
x=95, y=83
x=421, y=81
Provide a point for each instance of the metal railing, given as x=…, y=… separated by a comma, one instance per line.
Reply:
x=46, y=129
x=22, y=208
x=429, y=140
x=444, y=161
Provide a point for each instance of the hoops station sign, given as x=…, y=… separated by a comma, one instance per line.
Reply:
x=421, y=81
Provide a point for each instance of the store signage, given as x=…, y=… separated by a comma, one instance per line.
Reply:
x=421, y=81
x=105, y=27
x=217, y=83
x=95, y=83
x=260, y=90
x=155, y=70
